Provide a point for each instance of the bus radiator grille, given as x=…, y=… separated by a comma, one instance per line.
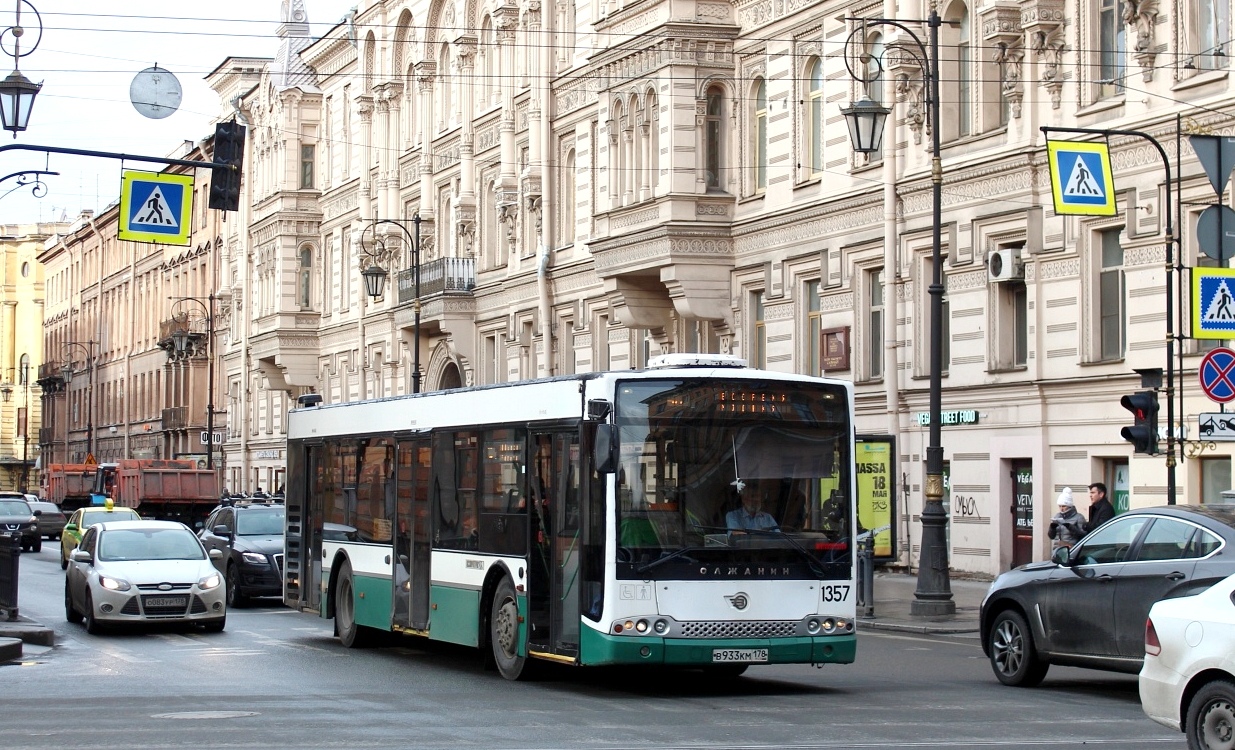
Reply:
x=752, y=629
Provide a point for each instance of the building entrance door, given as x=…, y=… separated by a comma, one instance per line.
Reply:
x=1022, y=511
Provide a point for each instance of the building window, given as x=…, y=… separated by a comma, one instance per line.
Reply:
x=1213, y=31
x=304, y=289
x=492, y=367
x=1215, y=478
x=700, y=338
x=814, y=330
x=874, y=324
x=814, y=116
x=713, y=146
x=759, y=333
x=874, y=74
x=955, y=73
x=307, y=157
x=1111, y=296
x=760, y=150
x=569, y=197
x=1112, y=48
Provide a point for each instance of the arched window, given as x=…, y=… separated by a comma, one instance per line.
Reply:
x=652, y=109
x=814, y=116
x=444, y=110
x=304, y=290
x=955, y=74
x=569, y=196
x=713, y=133
x=759, y=150
x=409, y=107
x=23, y=373
x=486, y=53
x=370, y=62
x=874, y=73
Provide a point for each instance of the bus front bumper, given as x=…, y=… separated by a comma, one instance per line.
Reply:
x=601, y=649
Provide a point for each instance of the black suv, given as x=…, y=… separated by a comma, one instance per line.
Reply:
x=250, y=535
x=17, y=517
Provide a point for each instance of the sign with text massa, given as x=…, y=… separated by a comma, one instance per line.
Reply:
x=875, y=461
x=156, y=207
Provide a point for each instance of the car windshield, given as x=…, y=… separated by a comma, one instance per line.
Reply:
x=149, y=544
x=89, y=518
x=259, y=522
x=14, y=508
x=735, y=472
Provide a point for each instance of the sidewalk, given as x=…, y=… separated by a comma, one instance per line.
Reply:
x=894, y=597
x=13, y=635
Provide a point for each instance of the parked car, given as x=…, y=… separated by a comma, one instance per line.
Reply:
x=1086, y=607
x=250, y=538
x=17, y=515
x=51, y=520
x=84, y=518
x=1188, y=681
x=140, y=572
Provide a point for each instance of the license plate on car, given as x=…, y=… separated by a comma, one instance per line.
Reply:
x=740, y=654
x=165, y=601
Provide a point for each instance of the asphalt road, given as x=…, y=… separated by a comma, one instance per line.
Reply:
x=277, y=679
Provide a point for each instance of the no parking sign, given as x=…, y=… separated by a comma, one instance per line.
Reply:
x=1217, y=373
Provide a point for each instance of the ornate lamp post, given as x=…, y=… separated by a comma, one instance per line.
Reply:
x=375, y=276
x=866, y=121
x=182, y=341
x=68, y=371
x=16, y=91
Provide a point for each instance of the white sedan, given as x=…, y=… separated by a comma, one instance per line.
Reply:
x=1188, y=681
x=142, y=572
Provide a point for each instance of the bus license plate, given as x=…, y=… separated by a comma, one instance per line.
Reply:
x=739, y=654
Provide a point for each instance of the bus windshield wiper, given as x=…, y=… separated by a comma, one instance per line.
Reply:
x=659, y=561
x=811, y=560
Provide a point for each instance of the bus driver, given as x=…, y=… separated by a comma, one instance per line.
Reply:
x=751, y=516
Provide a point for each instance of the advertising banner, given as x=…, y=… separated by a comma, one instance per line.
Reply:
x=875, y=461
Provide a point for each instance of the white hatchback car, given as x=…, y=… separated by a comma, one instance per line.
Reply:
x=1188, y=681
x=140, y=572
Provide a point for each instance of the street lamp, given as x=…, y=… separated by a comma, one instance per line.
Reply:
x=375, y=276
x=16, y=91
x=181, y=340
x=68, y=371
x=866, y=119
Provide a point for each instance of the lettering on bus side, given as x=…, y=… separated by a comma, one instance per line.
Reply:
x=745, y=571
x=474, y=564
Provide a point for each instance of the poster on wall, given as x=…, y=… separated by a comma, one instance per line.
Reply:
x=875, y=462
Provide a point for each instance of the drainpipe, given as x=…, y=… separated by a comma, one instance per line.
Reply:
x=98, y=339
x=246, y=302
x=547, y=229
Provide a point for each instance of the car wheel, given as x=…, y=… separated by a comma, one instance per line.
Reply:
x=215, y=626
x=1013, y=656
x=504, y=632
x=70, y=614
x=25, y=545
x=64, y=560
x=351, y=635
x=37, y=544
x=1211, y=716
x=234, y=597
x=93, y=626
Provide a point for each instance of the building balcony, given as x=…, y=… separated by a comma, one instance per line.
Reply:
x=176, y=418
x=441, y=276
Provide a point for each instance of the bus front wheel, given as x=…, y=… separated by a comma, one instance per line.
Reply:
x=504, y=632
x=351, y=635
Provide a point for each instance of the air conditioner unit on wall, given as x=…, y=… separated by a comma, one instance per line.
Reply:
x=1004, y=264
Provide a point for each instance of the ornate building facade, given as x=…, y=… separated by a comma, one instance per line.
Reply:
x=584, y=184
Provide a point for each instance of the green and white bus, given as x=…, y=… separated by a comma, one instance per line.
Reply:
x=588, y=519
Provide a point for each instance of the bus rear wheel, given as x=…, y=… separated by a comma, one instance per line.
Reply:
x=504, y=632
x=351, y=635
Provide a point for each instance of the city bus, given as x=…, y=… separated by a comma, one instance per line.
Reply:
x=591, y=519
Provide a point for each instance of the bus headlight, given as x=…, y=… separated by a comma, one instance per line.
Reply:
x=641, y=626
x=829, y=625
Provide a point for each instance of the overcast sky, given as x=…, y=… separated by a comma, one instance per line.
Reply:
x=87, y=59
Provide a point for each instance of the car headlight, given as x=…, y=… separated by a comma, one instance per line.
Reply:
x=114, y=584
x=254, y=558
x=209, y=582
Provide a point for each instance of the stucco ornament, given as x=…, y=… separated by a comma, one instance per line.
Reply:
x=1142, y=15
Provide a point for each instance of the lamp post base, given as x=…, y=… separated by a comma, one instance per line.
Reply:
x=933, y=597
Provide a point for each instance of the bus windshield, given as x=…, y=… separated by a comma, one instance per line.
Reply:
x=717, y=474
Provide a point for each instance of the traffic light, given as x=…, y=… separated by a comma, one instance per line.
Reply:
x=1143, y=434
x=228, y=149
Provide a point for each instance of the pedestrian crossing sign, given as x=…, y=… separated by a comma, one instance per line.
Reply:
x=1081, y=181
x=1213, y=303
x=156, y=207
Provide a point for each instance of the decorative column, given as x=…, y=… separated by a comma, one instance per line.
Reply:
x=1042, y=22
x=426, y=73
x=506, y=20
x=364, y=110
x=465, y=202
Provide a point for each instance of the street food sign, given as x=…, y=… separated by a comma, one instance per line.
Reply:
x=875, y=459
x=156, y=207
x=1213, y=303
x=1081, y=180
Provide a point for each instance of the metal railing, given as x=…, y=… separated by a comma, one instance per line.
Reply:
x=438, y=276
x=10, y=557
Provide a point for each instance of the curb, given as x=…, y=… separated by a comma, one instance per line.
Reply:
x=29, y=632
x=10, y=649
x=932, y=629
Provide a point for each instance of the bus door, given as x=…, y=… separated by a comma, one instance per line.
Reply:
x=410, y=565
x=307, y=534
x=553, y=599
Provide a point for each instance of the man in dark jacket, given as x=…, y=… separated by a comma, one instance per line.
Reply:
x=1100, y=509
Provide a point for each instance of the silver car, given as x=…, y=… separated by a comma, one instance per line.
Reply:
x=143, y=571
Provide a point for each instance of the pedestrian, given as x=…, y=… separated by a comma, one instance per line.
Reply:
x=1067, y=526
x=1100, y=509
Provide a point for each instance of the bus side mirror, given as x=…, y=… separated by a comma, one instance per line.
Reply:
x=606, y=448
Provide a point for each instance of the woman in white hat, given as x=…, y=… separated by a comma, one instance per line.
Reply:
x=1067, y=526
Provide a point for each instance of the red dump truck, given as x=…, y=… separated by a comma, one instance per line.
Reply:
x=167, y=489
x=69, y=485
